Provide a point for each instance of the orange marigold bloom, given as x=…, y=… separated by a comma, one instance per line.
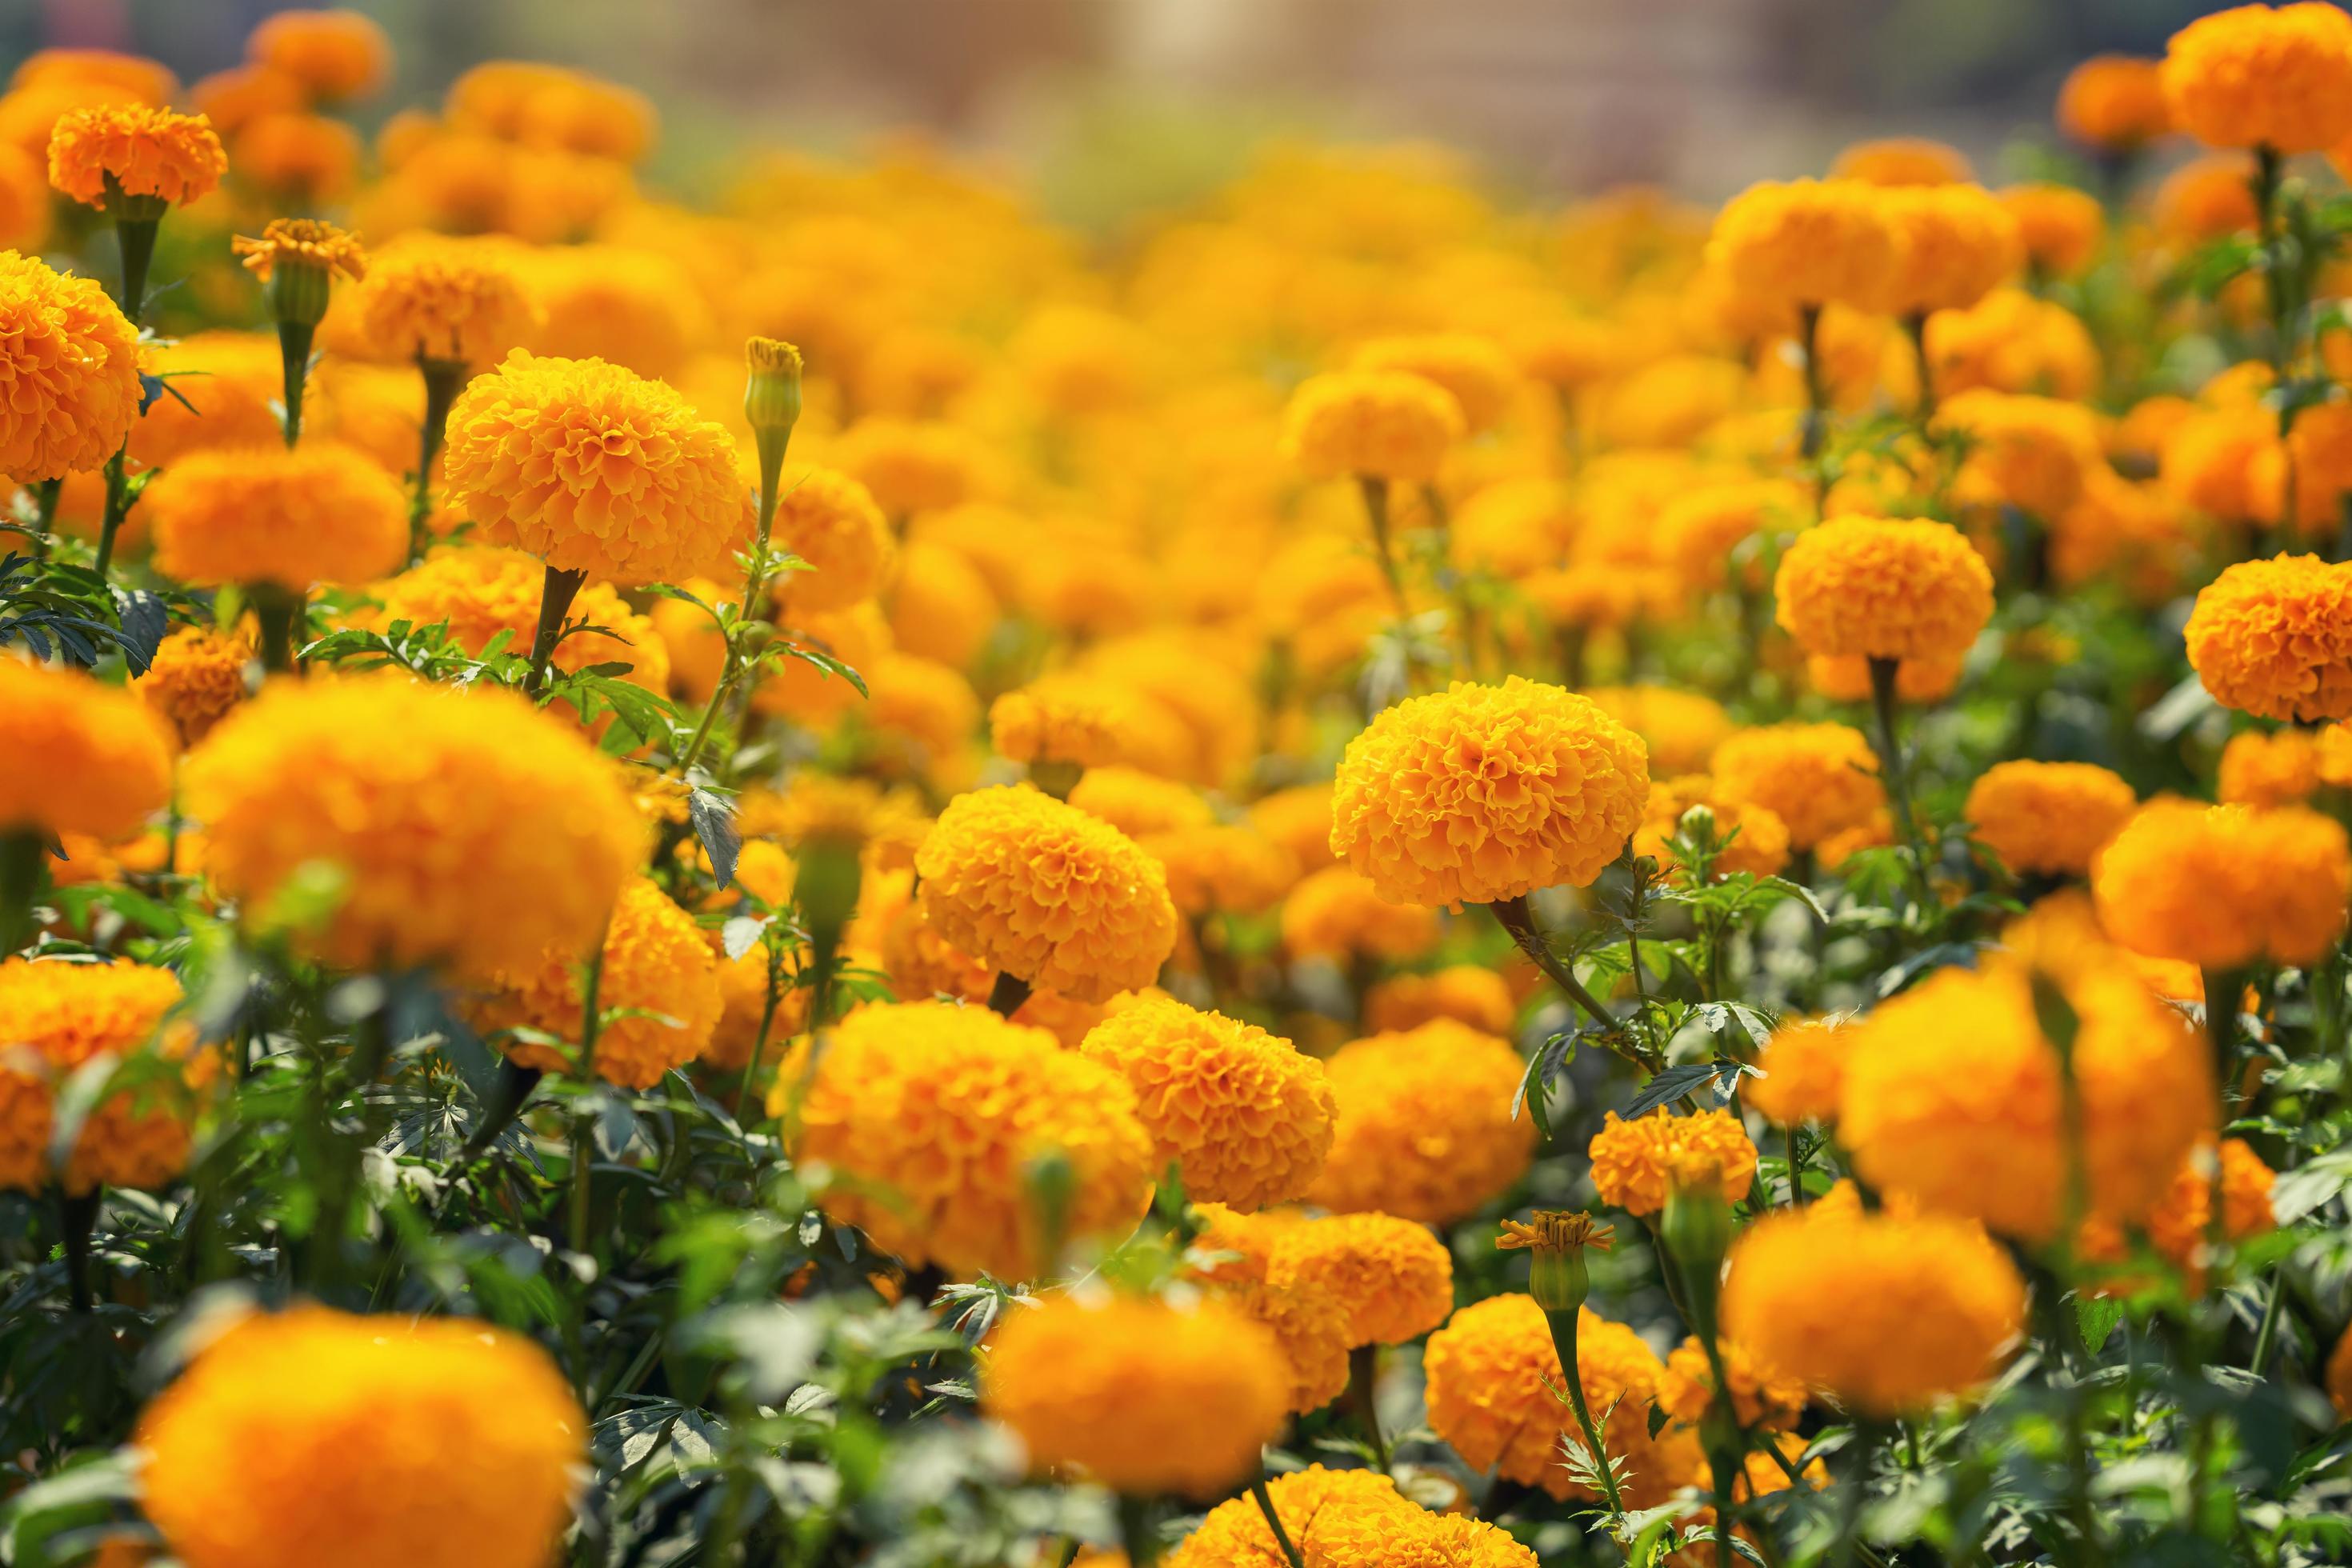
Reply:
x=1682, y=728
x=2268, y=767
x=1954, y=244
x=1084, y=721
x=2206, y=198
x=320, y=512
x=2179, y=1224
x=1047, y=893
x=101, y=156
x=2273, y=637
x=1898, y=162
x=934, y=1117
x=1475, y=370
x=1751, y=837
x=197, y=678
x=2048, y=816
x=1818, y=779
x=358, y=774
x=829, y=520
x=311, y=1436
x=335, y=55
x=431, y=297
x=2059, y=225
x=2011, y=342
x=1371, y=424
x=1322, y=1511
x=23, y=200
x=1759, y=1395
x=1883, y=588
x=1704, y=528
x=2114, y=102
x=1803, y=1071
x=307, y=159
x=1481, y=792
x=656, y=964
x=1425, y=1126
x=232, y=98
x=135, y=76
x=56, y=1018
x=2259, y=77
x=1221, y=869
x=911, y=466
x=70, y=382
x=2224, y=886
x=1244, y=1114
x=1145, y=1397
x=1634, y=1164
x=1468, y=994
x=87, y=758
x=1808, y=243
x=593, y=468
x=1335, y=914
x=1395, y=1277
x=1886, y=1314
x=2029, y=452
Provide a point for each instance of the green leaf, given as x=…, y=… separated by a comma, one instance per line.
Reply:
x=713, y=816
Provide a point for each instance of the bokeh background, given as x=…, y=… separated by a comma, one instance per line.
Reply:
x=1114, y=105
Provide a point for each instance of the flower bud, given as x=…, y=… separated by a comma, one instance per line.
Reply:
x=1559, y=1282
x=772, y=397
x=1554, y=1242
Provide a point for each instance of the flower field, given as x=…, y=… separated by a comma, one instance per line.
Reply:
x=1372, y=875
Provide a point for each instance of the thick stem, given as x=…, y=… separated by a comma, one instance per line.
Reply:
x=1362, y=1374
x=44, y=515
x=136, y=238
x=555, y=596
x=118, y=505
x=1516, y=918
x=1274, y=1522
x=1006, y=996
x=1882, y=701
x=1376, y=508
x=444, y=379
x=1915, y=326
x=1792, y=1147
x=294, y=350
x=1572, y=1377
x=77, y=1218
x=1138, y=1531
x=281, y=613
x=1814, y=440
x=21, y=854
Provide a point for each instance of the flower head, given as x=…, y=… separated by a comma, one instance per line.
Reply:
x=320, y=512
x=2273, y=637
x=1395, y=1277
x=2059, y=225
x=426, y=297
x=1681, y=728
x=1808, y=243
x=1426, y=1129
x=1084, y=721
x=1635, y=1164
x=302, y=242
x=195, y=679
x=91, y=758
x=2263, y=768
x=1802, y=1072
x=2048, y=816
x=1371, y=424
x=2224, y=886
x=1335, y=914
x=2113, y=103
x=334, y=55
x=1468, y=994
x=478, y=591
x=56, y=1018
x=1883, y=588
x=1954, y=244
x=1761, y=1397
x=593, y=468
x=311, y=1436
x=2257, y=75
x=1323, y=1513
x=1478, y=375
x=1901, y=162
x=1748, y=838
x=829, y=521
x=101, y=156
x=69, y=387
x=1819, y=780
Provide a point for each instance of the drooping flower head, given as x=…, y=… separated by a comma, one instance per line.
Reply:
x=2048, y=816
x=318, y=513
x=2224, y=886
x=2273, y=637
x=69, y=380
x=1481, y=792
x=469, y=830
x=1426, y=1129
x=1883, y=588
x=311, y=1436
x=134, y=159
x=594, y=468
x=55, y=1020
x=86, y=758
x=2257, y=75
x=1371, y=424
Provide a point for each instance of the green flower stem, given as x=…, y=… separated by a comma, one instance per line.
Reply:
x=444, y=379
x=1376, y=508
x=1814, y=440
x=582, y=1126
x=77, y=1218
x=1274, y=1521
x=118, y=506
x=1915, y=327
x=21, y=855
x=1892, y=764
x=759, y=1040
x=555, y=596
x=1516, y=918
x=1363, y=1374
x=1006, y=995
x=44, y=515
x=294, y=351
x=135, y=237
x=1793, y=1148
x=283, y=614
x=1563, y=1340
x=1138, y=1531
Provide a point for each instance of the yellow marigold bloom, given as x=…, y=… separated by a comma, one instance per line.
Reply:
x=2060, y=226
x=829, y=521
x=2011, y=342
x=1047, y=893
x=2048, y=816
x=1083, y=721
x=1235, y=1248
x=1954, y=1096
x=1886, y=1314
x=479, y=590
x=1903, y=161
x=362, y=774
x=911, y=466
x=1371, y=424
x=2267, y=768
x=197, y=678
x=1481, y=792
x=1804, y=244
x=428, y=297
x=2224, y=886
x=2206, y=198
x=1335, y=914
x=2273, y=637
x=87, y=758
x=924, y=712
x=70, y=382
x=2029, y=452
x=1426, y=1129
x=1635, y=1163
x=1221, y=870
x=2259, y=77
x=1468, y=994
x=654, y=959
x=1478, y=374
x=320, y=512
x=800, y=691
x=1702, y=528
x=1299, y=819
x=2113, y=103
x=1883, y=588
x=305, y=159
x=56, y=1017
x=1511, y=528
x=1322, y=1511
x=1146, y=1397
x=1139, y=804
x=2179, y=1224
x=1759, y=1395
x=1682, y=728
x=941, y=605
x=593, y=468
x=1752, y=838
x=1818, y=779
x=99, y=156
x=935, y=1117
x=1245, y=1114
x=335, y=55
x=1396, y=1278
x=1309, y=1324
x=1491, y=1375
x=1804, y=1074
x=1954, y=244
x=312, y=1435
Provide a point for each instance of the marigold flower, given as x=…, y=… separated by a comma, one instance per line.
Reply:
x=1954, y=244
x=2114, y=102
x=1335, y=914
x=1682, y=728
x=311, y=1436
x=2266, y=768
x=1898, y=162
x=1750, y=838
x=2032, y=453
x=941, y=605
x=2181, y=1222
x=806, y=693
x=1805, y=243
x=935, y=1117
x=1818, y=779
x=593, y=468
x=335, y=55
x=1492, y=1373
x=1322, y=1513
x=924, y=712
x=2206, y=199
x=2048, y=816
x=1082, y=721
x=57, y=1017
x=1309, y=1324
x=2011, y=341
x=1371, y=424
x=101, y=156
x=1221, y=870
x=1395, y=1277
x=829, y=521
x=1512, y=527
x=478, y=591
x=1245, y=1114
x=1802, y=1071
x=1475, y=370
x=70, y=382
x=427, y=296
x=89, y=758
x=1425, y=1130
x=359, y=774
x=911, y=467
x=1468, y=994
x=196, y=680
x=1702, y=528
x=1886, y=1314
x=320, y=512
x=1635, y=1163
x=307, y=159
x=25, y=200
x=1883, y=588
x=656, y=965
x=1482, y=793
x=743, y=1012
x=2273, y=637
x=1047, y=893
x=2259, y=77
x=2224, y=886
x=137, y=78
x=2060, y=226
x=1759, y=1395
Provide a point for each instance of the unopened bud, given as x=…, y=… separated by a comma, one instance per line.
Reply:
x=772, y=397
